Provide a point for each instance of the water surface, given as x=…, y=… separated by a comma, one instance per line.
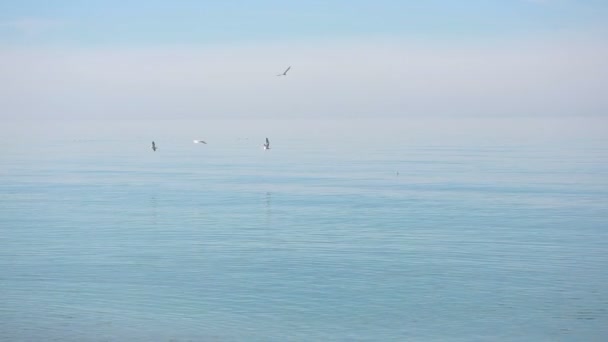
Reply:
x=342, y=231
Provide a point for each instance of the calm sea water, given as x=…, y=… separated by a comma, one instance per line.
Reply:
x=342, y=231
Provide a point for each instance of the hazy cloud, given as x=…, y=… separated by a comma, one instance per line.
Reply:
x=31, y=26
x=356, y=79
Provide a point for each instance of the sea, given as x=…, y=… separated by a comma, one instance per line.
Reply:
x=439, y=229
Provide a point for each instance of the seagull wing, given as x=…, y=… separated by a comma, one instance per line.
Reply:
x=285, y=72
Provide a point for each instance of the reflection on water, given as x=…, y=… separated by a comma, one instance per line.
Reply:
x=268, y=199
x=154, y=210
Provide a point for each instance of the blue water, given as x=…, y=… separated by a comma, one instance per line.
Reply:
x=325, y=237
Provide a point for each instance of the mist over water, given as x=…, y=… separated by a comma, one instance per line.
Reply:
x=434, y=229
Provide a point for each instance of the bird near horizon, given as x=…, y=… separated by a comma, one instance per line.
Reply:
x=285, y=72
x=200, y=142
x=154, y=148
x=267, y=144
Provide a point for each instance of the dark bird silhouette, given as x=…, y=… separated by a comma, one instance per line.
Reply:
x=267, y=144
x=154, y=147
x=285, y=72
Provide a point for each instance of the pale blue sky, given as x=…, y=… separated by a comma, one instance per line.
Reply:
x=350, y=58
x=155, y=22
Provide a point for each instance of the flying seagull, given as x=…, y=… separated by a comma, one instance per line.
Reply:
x=267, y=144
x=285, y=72
x=199, y=142
x=154, y=147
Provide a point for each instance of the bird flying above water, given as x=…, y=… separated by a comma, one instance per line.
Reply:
x=154, y=147
x=200, y=142
x=285, y=72
x=267, y=144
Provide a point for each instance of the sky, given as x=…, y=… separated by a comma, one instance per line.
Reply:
x=219, y=59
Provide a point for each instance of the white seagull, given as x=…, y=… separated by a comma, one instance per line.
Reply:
x=199, y=142
x=266, y=145
x=285, y=72
x=154, y=147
